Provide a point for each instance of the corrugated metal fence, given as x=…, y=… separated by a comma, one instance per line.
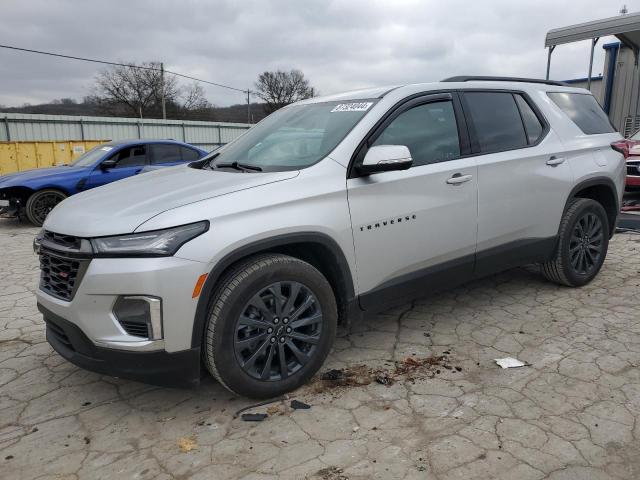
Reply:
x=32, y=127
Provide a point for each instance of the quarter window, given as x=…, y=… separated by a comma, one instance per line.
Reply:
x=189, y=154
x=496, y=119
x=584, y=111
x=429, y=131
x=532, y=125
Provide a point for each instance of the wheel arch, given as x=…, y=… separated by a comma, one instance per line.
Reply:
x=315, y=248
x=603, y=191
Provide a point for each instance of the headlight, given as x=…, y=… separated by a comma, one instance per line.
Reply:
x=158, y=243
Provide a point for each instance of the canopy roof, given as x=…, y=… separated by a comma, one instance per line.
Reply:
x=625, y=27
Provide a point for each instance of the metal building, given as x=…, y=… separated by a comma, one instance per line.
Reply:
x=618, y=91
x=34, y=127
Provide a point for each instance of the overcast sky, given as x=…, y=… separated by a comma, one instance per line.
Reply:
x=339, y=45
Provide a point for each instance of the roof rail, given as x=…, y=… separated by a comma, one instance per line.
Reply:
x=471, y=78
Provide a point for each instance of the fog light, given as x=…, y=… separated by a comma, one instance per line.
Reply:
x=140, y=316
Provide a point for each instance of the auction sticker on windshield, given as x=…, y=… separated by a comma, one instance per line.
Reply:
x=352, y=107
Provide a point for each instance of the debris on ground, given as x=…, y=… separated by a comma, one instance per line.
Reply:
x=274, y=410
x=333, y=375
x=298, y=405
x=384, y=379
x=331, y=473
x=253, y=417
x=186, y=444
x=256, y=405
x=362, y=375
x=510, y=362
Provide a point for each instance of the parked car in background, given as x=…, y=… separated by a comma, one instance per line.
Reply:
x=631, y=150
x=34, y=193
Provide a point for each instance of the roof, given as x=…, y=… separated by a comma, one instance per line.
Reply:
x=126, y=141
x=625, y=27
x=597, y=78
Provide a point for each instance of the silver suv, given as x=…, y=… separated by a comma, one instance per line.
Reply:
x=246, y=260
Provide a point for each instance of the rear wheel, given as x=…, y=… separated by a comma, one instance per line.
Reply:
x=271, y=324
x=582, y=245
x=41, y=203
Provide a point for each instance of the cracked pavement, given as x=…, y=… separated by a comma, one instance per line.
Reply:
x=573, y=414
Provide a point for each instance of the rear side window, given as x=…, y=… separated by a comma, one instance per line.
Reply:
x=584, y=111
x=429, y=131
x=496, y=119
x=532, y=125
x=165, y=153
x=189, y=154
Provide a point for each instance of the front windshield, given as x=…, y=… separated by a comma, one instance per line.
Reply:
x=90, y=157
x=294, y=137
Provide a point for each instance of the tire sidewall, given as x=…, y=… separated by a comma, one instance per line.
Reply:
x=226, y=363
x=32, y=199
x=574, y=277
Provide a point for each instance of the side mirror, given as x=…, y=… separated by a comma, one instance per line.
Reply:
x=385, y=158
x=107, y=164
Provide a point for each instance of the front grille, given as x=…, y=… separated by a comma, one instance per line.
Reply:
x=633, y=169
x=68, y=241
x=139, y=329
x=59, y=276
x=58, y=334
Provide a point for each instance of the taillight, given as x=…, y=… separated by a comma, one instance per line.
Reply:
x=622, y=146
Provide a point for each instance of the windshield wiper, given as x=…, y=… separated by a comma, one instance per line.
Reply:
x=239, y=166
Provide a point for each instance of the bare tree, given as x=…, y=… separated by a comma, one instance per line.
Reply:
x=136, y=91
x=193, y=98
x=279, y=88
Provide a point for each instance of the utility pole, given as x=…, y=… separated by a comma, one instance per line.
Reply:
x=248, y=107
x=164, y=107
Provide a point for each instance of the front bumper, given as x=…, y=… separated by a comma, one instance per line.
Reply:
x=633, y=181
x=177, y=369
x=104, y=280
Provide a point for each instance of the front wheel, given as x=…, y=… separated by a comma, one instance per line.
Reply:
x=41, y=203
x=271, y=325
x=582, y=244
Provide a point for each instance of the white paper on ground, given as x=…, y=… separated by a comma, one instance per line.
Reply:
x=510, y=362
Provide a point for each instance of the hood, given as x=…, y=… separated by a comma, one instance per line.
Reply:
x=120, y=207
x=27, y=177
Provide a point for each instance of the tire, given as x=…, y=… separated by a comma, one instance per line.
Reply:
x=40, y=203
x=584, y=228
x=244, y=318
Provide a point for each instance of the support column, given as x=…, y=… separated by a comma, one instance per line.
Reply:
x=164, y=107
x=248, y=107
x=551, y=49
x=593, y=46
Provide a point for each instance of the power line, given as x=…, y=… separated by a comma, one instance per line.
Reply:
x=104, y=62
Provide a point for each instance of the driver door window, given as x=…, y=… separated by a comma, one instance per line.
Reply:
x=429, y=131
x=131, y=157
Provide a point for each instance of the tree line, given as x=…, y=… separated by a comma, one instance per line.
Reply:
x=126, y=91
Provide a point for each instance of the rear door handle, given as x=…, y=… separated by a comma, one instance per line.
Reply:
x=458, y=178
x=555, y=161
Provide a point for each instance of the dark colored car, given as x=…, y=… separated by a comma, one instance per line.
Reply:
x=34, y=193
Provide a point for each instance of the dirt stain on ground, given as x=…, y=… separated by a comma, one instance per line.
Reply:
x=409, y=369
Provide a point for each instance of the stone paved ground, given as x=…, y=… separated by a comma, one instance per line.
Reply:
x=573, y=414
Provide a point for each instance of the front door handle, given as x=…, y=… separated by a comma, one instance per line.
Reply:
x=555, y=161
x=458, y=178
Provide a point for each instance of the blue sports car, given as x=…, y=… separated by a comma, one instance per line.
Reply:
x=34, y=193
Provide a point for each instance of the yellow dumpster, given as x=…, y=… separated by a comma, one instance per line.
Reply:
x=19, y=156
